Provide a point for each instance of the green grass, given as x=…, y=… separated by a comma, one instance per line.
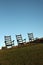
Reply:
x=30, y=55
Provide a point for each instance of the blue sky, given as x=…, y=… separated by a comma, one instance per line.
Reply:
x=20, y=17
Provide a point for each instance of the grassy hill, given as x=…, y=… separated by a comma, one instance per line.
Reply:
x=30, y=55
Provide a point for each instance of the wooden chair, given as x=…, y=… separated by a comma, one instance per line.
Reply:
x=8, y=41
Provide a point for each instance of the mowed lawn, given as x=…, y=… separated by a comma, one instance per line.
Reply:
x=30, y=55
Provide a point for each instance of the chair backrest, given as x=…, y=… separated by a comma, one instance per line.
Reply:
x=8, y=41
x=30, y=36
x=19, y=38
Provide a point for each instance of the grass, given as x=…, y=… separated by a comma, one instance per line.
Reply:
x=30, y=55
